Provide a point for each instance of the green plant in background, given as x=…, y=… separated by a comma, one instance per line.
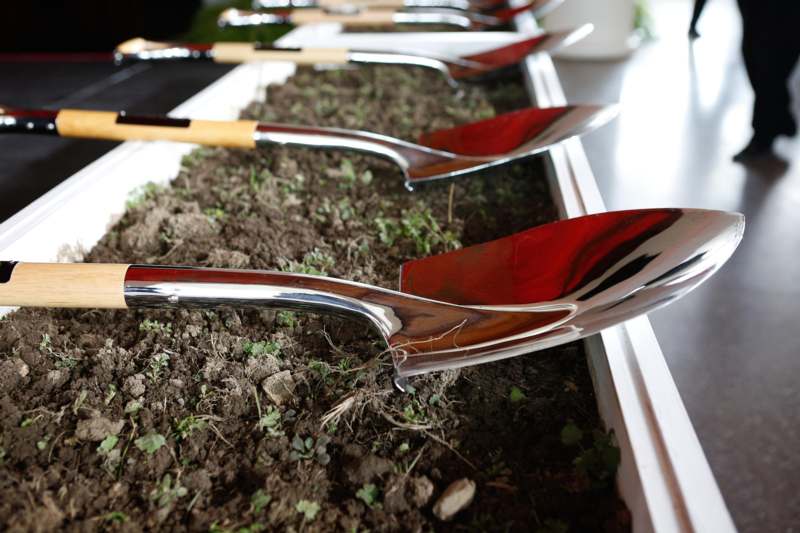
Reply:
x=643, y=19
x=204, y=28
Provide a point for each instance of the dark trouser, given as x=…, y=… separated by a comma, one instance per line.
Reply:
x=698, y=8
x=771, y=47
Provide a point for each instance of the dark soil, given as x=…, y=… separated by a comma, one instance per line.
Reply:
x=162, y=419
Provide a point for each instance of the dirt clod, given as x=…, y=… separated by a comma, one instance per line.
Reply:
x=421, y=490
x=134, y=385
x=97, y=429
x=279, y=387
x=456, y=497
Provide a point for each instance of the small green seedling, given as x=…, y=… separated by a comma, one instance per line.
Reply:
x=167, y=492
x=62, y=360
x=261, y=348
x=116, y=517
x=270, y=422
x=107, y=444
x=188, y=425
x=368, y=493
x=155, y=326
x=76, y=406
x=157, y=365
x=286, y=319
x=111, y=392
x=215, y=213
x=141, y=194
x=259, y=501
x=571, y=434
x=150, y=443
x=308, y=509
x=308, y=449
x=516, y=395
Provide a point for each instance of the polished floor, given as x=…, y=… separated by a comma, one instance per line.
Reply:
x=733, y=345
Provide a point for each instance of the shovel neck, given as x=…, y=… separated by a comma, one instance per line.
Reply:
x=190, y=287
x=404, y=154
x=367, y=57
x=36, y=121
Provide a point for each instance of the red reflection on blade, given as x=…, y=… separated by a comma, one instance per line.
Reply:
x=498, y=58
x=27, y=113
x=494, y=136
x=537, y=265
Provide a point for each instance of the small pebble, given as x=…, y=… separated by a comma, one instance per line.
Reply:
x=455, y=498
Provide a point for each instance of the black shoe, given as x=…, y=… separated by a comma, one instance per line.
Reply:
x=693, y=33
x=757, y=148
x=789, y=128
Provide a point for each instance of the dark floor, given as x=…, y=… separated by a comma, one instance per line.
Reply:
x=30, y=166
x=732, y=345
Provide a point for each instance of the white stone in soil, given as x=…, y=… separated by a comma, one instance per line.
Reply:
x=455, y=498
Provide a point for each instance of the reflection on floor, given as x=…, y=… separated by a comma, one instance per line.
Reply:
x=734, y=345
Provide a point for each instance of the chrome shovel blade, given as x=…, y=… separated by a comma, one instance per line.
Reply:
x=607, y=268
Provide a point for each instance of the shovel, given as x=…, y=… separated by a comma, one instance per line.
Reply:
x=538, y=7
x=440, y=154
x=354, y=16
x=532, y=290
x=471, y=67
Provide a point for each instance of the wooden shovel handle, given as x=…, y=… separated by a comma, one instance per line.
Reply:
x=62, y=285
x=122, y=127
x=362, y=18
x=244, y=52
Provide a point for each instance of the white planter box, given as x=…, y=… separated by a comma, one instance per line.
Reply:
x=664, y=477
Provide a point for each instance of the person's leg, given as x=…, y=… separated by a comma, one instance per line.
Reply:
x=769, y=59
x=698, y=8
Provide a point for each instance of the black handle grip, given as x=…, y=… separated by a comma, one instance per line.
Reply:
x=38, y=121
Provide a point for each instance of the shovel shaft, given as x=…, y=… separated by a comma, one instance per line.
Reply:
x=139, y=49
x=357, y=19
x=123, y=127
x=244, y=52
x=62, y=285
